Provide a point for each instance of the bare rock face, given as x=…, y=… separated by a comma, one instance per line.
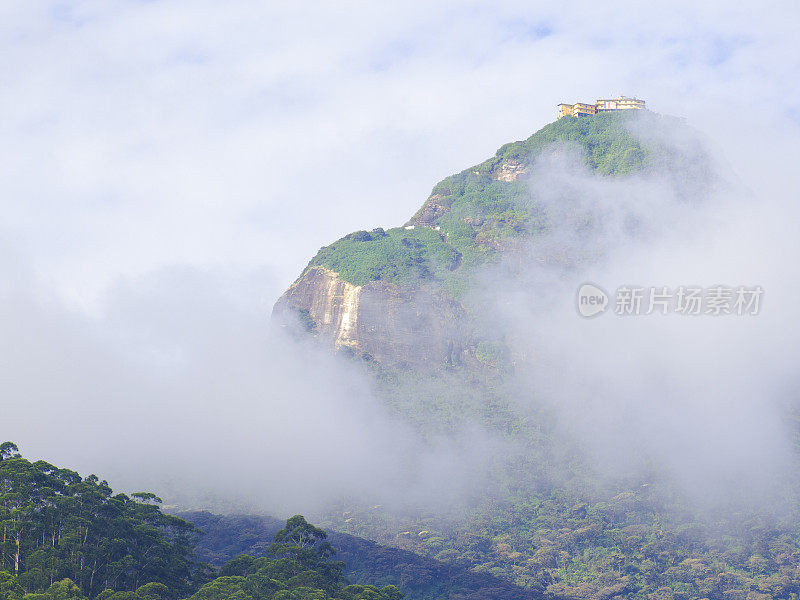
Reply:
x=510, y=170
x=378, y=321
x=325, y=304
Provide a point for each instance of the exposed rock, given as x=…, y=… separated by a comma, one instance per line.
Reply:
x=511, y=170
x=378, y=321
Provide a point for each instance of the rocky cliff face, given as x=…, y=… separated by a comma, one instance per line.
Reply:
x=378, y=321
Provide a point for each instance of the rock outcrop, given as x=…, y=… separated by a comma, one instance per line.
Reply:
x=379, y=321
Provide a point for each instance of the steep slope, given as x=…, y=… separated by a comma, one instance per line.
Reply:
x=396, y=296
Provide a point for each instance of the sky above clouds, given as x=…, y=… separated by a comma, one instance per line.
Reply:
x=168, y=167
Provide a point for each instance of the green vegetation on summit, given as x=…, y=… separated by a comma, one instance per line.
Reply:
x=471, y=216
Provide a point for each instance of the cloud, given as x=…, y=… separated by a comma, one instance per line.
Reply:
x=168, y=167
x=703, y=400
x=159, y=133
x=181, y=387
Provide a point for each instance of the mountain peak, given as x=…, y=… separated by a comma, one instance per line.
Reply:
x=395, y=295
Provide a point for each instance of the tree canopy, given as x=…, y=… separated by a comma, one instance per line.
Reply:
x=67, y=537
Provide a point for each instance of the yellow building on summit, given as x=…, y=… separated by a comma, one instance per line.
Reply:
x=581, y=109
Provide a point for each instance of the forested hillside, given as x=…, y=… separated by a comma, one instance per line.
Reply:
x=635, y=542
x=630, y=545
x=69, y=537
x=417, y=576
x=60, y=527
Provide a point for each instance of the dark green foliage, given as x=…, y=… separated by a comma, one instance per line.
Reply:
x=307, y=322
x=296, y=565
x=10, y=589
x=8, y=450
x=66, y=589
x=59, y=590
x=418, y=578
x=65, y=535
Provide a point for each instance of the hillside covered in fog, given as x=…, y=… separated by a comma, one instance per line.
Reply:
x=406, y=296
x=595, y=470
